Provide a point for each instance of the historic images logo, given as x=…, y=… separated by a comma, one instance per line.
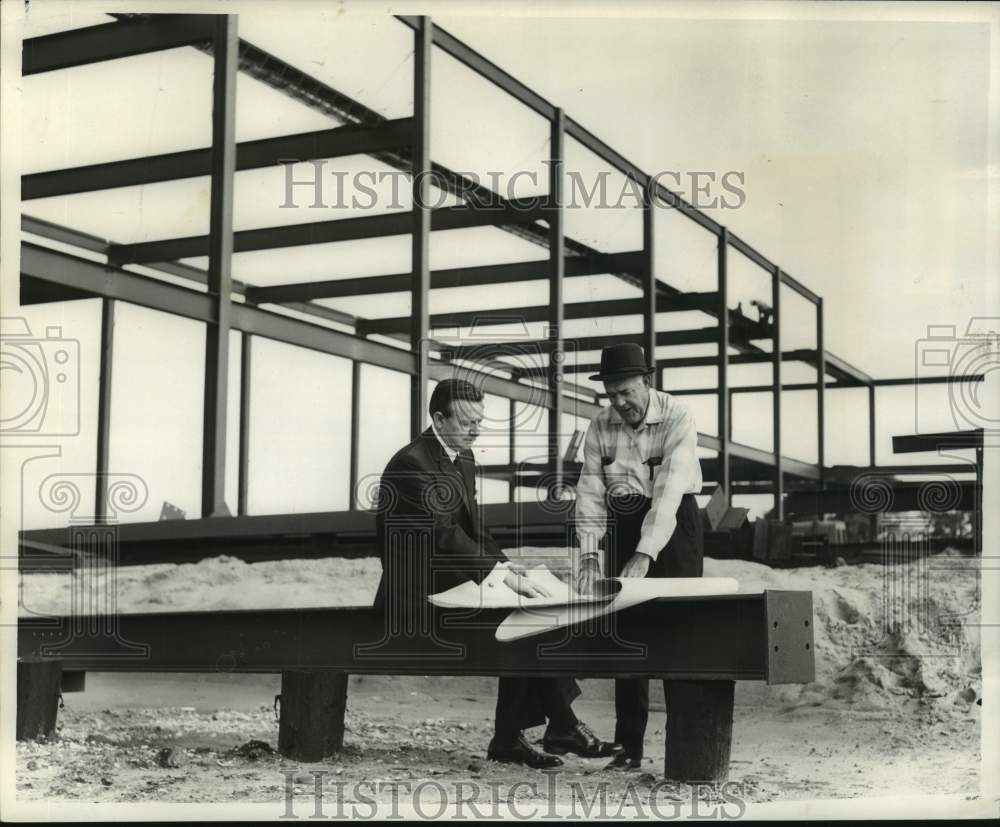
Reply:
x=310, y=185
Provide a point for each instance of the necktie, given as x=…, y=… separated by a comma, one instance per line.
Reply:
x=464, y=465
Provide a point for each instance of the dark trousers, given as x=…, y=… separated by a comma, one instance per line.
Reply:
x=526, y=702
x=682, y=556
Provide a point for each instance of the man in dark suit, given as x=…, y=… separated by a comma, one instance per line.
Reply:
x=431, y=539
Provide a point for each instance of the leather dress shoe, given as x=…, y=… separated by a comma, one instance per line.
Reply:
x=623, y=761
x=580, y=740
x=521, y=752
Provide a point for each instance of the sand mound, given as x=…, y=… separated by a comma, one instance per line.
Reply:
x=215, y=583
x=886, y=637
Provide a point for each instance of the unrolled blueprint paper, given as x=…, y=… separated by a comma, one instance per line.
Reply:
x=534, y=615
x=613, y=594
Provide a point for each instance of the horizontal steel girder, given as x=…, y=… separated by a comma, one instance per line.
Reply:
x=325, y=143
x=885, y=495
x=323, y=232
x=928, y=380
x=110, y=41
x=265, y=526
x=440, y=279
x=811, y=386
x=34, y=291
x=749, y=464
x=845, y=374
x=68, y=271
x=765, y=637
x=540, y=313
x=705, y=335
x=914, y=443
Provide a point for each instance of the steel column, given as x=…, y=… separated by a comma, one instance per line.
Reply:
x=722, y=360
x=355, y=431
x=104, y=408
x=512, y=408
x=820, y=392
x=977, y=514
x=243, y=480
x=729, y=411
x=871, y=425
x=649, y=283
x=220, y=254
x=421, y=167
x=779, y=477
x=557, y=253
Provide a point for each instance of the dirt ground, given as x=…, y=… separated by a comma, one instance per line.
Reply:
x=890, y=713
x=400, y=734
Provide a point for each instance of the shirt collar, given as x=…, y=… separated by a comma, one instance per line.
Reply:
x=654, y=412
x=450, y=452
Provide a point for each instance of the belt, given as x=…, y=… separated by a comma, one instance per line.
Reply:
x=630, y=495
x=631, y=503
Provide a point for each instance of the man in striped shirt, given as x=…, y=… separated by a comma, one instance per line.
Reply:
x=636, y=490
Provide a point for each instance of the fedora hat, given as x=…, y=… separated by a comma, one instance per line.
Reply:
x=619, y=361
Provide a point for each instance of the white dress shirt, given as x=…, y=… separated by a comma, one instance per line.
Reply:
x=451, y=452
x=667, y=431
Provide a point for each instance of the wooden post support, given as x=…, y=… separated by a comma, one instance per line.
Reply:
x=38, y=684
x=311, y=723
x=699, y=730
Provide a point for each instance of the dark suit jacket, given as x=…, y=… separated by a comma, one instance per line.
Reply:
x=429, y=533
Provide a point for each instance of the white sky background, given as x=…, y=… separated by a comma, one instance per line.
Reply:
x=865, y=149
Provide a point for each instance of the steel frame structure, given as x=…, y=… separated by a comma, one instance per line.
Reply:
x=48, y=275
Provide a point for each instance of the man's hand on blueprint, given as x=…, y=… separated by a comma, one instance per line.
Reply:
x=637, y=565
x=590, y=573
x=522, y=585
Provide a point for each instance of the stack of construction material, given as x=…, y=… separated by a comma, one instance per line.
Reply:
x=728, y=535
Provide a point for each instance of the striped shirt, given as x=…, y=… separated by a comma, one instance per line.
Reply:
x=658, y=459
